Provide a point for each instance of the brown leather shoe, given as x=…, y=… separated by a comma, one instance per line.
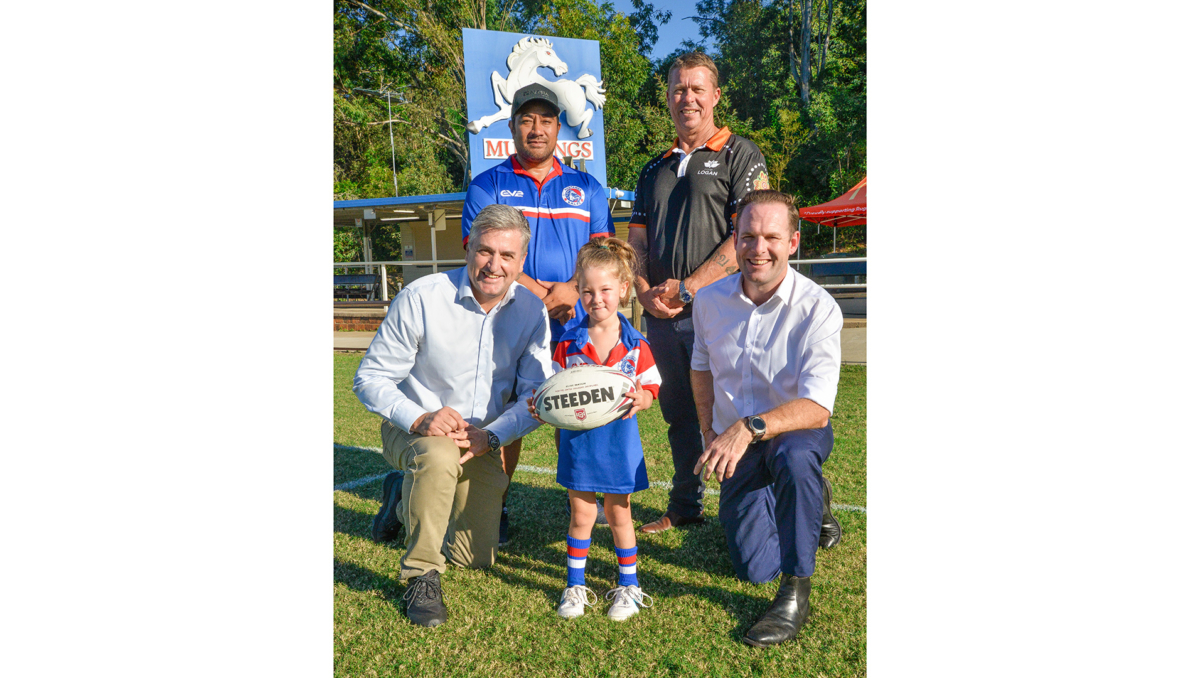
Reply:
x=669, y=520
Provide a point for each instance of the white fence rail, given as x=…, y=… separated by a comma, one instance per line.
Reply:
x=459, y=262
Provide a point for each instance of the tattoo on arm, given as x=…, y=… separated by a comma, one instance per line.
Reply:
x=722, y=260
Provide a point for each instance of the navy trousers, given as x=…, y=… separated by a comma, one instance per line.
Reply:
x=771, y=507
x=671, y=343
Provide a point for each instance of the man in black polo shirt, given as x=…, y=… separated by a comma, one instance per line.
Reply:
x=681, y=225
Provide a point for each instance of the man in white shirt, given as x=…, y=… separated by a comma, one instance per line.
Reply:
x=449, y=371
x=765, y=369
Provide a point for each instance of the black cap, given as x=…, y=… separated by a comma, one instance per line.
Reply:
x=534, y=92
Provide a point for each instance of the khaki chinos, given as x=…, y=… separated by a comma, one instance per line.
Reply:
x=450, y=511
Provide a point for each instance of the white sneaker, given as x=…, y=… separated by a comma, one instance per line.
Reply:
x=573, y=601
x=625, y=602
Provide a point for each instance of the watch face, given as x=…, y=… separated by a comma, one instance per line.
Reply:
x=758, y=426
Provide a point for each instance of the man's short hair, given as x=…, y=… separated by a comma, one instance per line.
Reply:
x=498, y=218
x=696, y=60
x=768, y=195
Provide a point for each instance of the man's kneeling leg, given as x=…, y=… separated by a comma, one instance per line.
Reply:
x=473, y=534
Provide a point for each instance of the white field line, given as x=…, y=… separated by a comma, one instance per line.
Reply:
x=540, y=470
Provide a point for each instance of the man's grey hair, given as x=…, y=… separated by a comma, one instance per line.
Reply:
x=498, y=218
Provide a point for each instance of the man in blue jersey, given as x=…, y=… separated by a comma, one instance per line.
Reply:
x=565, y=208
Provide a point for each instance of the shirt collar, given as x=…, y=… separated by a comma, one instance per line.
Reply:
x=715, y=143
x=783, y=292
x=518, y=168
x=576, y=332
x=465, y=291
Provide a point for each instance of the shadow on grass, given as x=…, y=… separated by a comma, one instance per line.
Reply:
x=360, y=578
x=535, y=553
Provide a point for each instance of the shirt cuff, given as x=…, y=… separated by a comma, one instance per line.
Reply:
x=820, y=391
x=405, y=414
x=513, y=423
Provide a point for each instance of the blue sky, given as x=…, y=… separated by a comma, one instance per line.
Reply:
x=675, y=31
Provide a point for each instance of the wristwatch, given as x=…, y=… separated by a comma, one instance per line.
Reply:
x=493, y=441
x=685, y=296
x=758, y=427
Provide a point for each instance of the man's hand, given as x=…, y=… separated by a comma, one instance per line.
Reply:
x=560, y=301
x=642, y=399
x=533, y=410
x=668, y=293
x=444, y=422
x=477, y=445
x=654, y=305
x=724, y=452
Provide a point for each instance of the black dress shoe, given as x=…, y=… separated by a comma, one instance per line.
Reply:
x=787, y=614
x=831, y=529
x=386, y=525
x=601, y=519
x=424, y=596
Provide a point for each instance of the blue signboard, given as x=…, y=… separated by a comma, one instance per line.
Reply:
x=498, y=64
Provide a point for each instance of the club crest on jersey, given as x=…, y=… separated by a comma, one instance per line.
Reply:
x=711, y=164
x=573, y=196
x=512, y=194
x=761, y=182
x=627, y=368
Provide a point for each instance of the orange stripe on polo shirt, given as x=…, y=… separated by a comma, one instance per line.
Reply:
x=714, y=144
x=718, y=140
x=636, y=225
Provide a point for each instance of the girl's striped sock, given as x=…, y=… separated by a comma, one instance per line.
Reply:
x=576, y=559
x=627, y=563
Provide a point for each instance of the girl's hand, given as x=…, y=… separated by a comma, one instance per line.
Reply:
x=642, y=399
x=533, y=411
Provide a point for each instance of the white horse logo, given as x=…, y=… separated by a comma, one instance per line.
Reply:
x=527, y=56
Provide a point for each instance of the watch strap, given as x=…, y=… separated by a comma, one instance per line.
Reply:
x=685, y=296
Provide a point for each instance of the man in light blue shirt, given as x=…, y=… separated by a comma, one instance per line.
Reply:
x=449, y=371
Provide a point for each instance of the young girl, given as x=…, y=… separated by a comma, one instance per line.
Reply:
x=607, y=459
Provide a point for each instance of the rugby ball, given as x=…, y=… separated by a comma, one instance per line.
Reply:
x=584, y=397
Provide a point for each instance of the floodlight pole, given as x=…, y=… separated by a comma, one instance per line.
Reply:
x=387, y=95
x=395, y=184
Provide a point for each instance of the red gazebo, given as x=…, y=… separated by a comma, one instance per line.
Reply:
x=849, y=209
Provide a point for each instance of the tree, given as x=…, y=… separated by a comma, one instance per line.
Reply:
x=809, y=122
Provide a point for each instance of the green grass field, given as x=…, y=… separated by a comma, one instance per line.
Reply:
x=502, y=620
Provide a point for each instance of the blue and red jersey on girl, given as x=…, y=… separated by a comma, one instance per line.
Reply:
x=608, y=458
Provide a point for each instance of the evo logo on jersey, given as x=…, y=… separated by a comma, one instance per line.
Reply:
x=512, y=194
x=578, y=398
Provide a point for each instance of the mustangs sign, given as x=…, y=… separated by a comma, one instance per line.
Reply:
x=498, y=64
